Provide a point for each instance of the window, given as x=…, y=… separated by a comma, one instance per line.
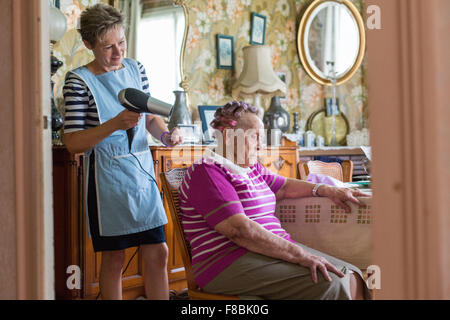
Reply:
x=159, y=40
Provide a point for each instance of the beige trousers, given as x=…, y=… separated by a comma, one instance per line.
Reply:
x=255, y=276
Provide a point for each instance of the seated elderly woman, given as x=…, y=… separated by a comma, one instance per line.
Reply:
x=228, y=202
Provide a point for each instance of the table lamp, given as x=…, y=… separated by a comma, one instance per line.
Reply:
x=258, y=78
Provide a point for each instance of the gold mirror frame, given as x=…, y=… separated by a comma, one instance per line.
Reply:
x=184, y=80
x=300, y=40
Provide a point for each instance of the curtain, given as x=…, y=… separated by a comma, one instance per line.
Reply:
x=132, y=10
x=151, y=4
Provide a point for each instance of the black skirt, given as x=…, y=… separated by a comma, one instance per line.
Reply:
x=107, y=243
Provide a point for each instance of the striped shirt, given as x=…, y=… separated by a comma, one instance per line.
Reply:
x=212, y=192
x=80, y=108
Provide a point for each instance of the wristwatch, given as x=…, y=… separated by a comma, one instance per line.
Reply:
x=316, y=187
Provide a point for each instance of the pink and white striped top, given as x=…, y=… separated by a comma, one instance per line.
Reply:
x=215, y=189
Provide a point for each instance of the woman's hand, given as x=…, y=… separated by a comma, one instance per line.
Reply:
x=127, y=119
x=315, y=263
x=341, y=195
x=173, y=138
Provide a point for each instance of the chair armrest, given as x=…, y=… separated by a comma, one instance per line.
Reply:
x=319, y=224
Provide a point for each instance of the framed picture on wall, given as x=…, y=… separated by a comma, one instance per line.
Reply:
x=258, y=29
x=283, y=76
x=225, y=52
x=207, y=115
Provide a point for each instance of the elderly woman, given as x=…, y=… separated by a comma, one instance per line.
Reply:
x=123, y=202
x=238, y=245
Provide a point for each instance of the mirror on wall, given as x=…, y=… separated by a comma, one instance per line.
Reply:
x=331, y=40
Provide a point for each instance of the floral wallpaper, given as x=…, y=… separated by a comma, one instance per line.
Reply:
x=211, y=86
x=70, y=49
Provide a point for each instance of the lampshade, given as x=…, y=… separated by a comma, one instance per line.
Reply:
x=58, y=24
x=257, y=75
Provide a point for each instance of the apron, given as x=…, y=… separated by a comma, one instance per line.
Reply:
x=128, y=200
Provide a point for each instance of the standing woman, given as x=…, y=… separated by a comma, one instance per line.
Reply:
x=123, y=202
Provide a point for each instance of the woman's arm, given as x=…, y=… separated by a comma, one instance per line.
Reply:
x=250, y=235
x=294, y=188
x=156, y=126
x=84, y=140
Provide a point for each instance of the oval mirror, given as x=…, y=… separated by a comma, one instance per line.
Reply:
x=331, y=40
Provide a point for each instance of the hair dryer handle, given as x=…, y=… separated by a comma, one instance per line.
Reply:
x=130, y=134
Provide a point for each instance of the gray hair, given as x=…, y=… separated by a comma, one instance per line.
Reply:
x=228, y=115
x=97, y=20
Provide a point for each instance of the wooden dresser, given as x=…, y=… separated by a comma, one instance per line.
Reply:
x=73, y=247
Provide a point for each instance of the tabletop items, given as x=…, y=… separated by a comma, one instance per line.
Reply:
x=359, y=138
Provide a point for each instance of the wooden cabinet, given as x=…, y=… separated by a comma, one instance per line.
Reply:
x=281, y=160
x=73, y=247
x=67, y=208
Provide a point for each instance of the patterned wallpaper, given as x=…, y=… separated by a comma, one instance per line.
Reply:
x=70, y=49
x=212, y=86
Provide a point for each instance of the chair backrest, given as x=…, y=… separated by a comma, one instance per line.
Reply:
x=342, y=172
x=170, y=182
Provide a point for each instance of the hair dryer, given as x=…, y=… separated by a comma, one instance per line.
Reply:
x=137, y=101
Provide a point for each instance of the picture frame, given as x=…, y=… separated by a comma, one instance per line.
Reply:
x=207, y=115
x=283, y=77
x=329, y=107
x=258, y=29
x=188, y=132
x=225, y=51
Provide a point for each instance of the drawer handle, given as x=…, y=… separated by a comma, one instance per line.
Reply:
x=278, y=164
x=169, y=164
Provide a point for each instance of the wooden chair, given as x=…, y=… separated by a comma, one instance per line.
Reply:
x=170, y=182
x=342, y=172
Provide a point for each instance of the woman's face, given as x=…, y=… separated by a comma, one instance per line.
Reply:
x=109, y=51
x=248, y=137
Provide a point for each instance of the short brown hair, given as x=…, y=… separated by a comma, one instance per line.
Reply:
x=95, y=21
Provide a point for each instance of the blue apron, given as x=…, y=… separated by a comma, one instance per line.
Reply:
x=128, y=201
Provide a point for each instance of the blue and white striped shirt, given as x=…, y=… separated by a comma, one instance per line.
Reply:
x=80, y=108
